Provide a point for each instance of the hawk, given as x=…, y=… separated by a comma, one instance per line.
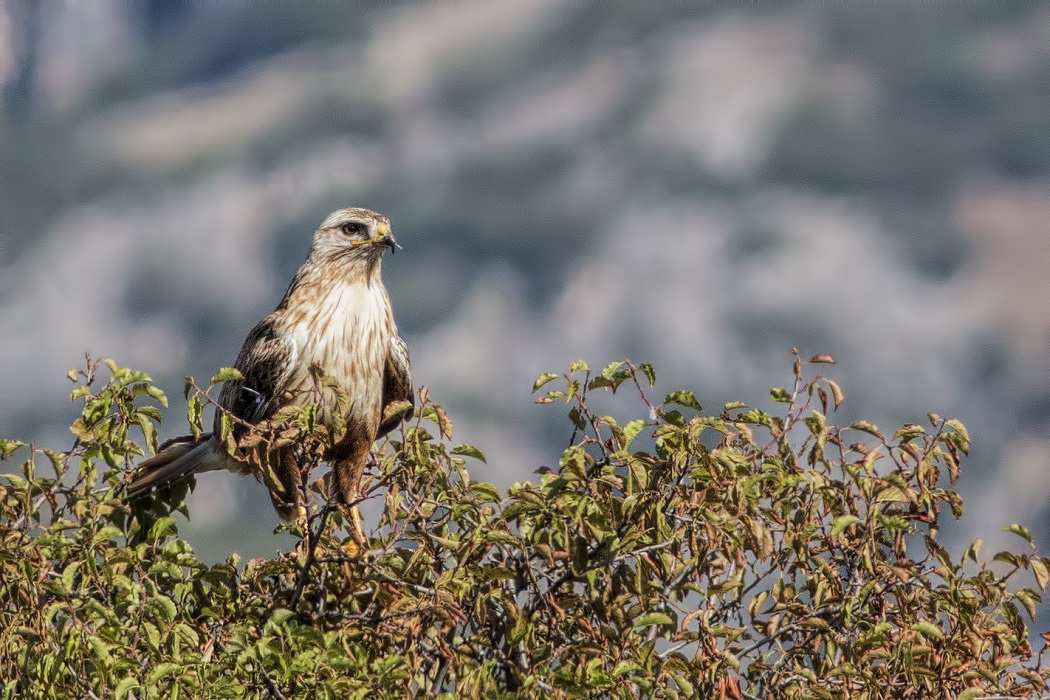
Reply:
x=334, y=319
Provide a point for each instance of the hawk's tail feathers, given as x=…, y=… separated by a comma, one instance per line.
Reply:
x=176, y=459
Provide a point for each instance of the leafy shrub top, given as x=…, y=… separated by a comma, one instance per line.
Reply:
x=682, y=553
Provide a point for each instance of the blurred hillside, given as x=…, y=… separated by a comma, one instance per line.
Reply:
x=691, y=184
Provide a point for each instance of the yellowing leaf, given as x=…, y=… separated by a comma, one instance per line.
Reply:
x=908, y=431
x=683, y=397
x=1020, y=531
x=963, y=434
x=865, y=426
x=577, y=365
x=543, y=379
x=443, y=421
x=226, y=374
x=1041, y=572
x=9, y=446
x=822, y=359
x=928, y=630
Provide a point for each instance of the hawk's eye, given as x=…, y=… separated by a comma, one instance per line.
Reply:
x=354, y=228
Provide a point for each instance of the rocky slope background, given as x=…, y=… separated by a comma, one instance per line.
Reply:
x=696, y=185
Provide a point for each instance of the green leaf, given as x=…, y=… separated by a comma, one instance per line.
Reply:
x=577, y=365
x=780, y=394
x=973, y=549
x=124, y=687
x=1009, y=558
x=891, y=494
x=1029, y=599
x=164, y=607
x=69, y=574
x=280, y=616
x=163, y=527
x=80, y=430
x=226, y=374
x=468, y=451
x=9, y=446
x=842, y=522
x=148, y=431
x=194, y=413
x=816, y=423
x=543, y=379
x=152, y=635
x=815, y=623
x=490, y=492
x=100, y=649
x=650, y=373
x=928, y=630
x=631, y=428
x=687, y=689
x=638, y=475
x=624, y=668
x=683, y=397
x=653, y=618
x=1020, y=531
x=162, y=669
x=156, y=393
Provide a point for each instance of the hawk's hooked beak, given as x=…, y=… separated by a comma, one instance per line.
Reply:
x=384, y=237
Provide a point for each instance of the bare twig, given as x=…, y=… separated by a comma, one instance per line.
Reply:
x=313, y=537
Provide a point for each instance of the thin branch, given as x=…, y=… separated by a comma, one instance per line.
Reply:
x=313, y=537
x=269, y=682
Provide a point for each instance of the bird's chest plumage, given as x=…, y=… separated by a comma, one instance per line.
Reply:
x=345, y=331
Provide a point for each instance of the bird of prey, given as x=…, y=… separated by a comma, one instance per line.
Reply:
x=334, y=319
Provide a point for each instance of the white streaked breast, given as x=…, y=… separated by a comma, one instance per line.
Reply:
x=347, y=335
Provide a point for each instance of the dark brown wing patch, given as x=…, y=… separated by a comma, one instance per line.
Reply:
x=397, y=384
x=265, y=363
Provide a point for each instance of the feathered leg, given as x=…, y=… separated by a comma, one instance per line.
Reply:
x=288, y=499
x=348, y=464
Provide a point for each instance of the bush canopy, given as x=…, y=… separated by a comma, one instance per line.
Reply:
x=735, y=553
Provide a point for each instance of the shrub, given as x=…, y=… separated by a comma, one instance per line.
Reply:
x=683, y=553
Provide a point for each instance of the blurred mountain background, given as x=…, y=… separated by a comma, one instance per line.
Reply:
x=698, y=185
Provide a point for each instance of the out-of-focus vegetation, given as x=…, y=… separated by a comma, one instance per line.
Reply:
x=934, y=114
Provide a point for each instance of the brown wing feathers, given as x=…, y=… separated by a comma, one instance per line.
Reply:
x=397, y=384
x=264, y=363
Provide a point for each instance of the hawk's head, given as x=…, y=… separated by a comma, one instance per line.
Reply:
x=354, y=234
